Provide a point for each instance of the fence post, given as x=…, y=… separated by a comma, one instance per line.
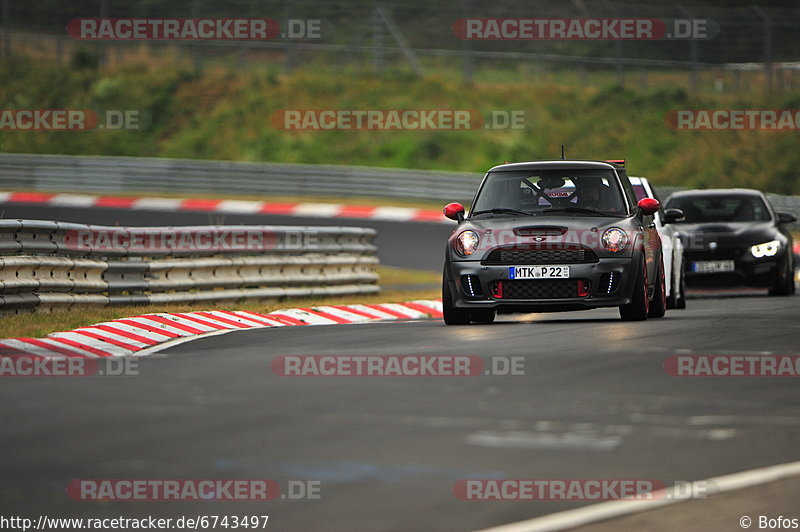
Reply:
x=197, y=59
x=378, y=61
x=6, y=28
x=767, y=43
x=692, y=53
x=289, y=53
x=103, y=53
x=401, y=41
x=618, y=46
x=466, y=56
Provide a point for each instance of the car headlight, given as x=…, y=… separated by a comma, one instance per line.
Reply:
x=467, y=243
x=615, y=239
x=767, y=249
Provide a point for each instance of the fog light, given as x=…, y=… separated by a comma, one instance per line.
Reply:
x=583, y=287
x=497, y=289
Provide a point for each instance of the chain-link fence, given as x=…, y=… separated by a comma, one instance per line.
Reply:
x=741, y=45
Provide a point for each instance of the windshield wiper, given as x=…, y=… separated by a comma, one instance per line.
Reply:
x=581, y=209
x=501, y=211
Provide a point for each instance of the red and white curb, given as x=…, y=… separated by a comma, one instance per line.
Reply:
x=315, y=210
x=146, y=334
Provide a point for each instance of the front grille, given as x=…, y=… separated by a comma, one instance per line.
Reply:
x=717, y=254
x=559, y=255
x=538, y=289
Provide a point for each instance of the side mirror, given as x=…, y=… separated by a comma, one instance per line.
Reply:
x=786, y=218
x=648, y=206
x=672, y=216
x=454, y=211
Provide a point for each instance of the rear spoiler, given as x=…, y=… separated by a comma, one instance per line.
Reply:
x=620, y=162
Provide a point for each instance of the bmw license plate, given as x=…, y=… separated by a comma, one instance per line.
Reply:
x=538, y=272
x=712, y=266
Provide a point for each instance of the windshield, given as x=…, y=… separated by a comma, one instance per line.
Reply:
x=640, y=192
x=544, y=191
x=727, y=208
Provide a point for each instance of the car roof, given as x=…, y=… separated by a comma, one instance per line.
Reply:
x=558, y=164
x=718, y=192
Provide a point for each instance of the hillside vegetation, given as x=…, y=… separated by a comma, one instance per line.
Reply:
x=220, y=114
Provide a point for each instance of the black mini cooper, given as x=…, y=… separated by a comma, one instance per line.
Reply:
x=550, y=236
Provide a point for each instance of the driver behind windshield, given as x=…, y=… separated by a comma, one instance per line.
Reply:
x=592, y=193
x=551, y=191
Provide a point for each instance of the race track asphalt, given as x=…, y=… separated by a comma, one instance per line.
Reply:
x=594, y=402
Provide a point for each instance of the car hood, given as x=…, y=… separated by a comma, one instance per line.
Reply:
x=732, y=234
x=585, y=231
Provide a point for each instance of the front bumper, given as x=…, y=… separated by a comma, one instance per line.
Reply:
x=748, y=271
x=607, y=283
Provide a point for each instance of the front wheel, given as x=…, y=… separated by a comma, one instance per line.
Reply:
x=677, y=298
x=659, y=305
x=784, y=284
x=639, y=306
x=450, y=314
x=682, y=294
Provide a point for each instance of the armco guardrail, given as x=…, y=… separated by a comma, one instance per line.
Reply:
x=109, y=175
x=139, y=174
x=48, y=264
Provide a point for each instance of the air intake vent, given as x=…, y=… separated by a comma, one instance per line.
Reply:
x=540, y=289
x=555, y=255
x=540, y=230
x=471, y=285
x=609, y=282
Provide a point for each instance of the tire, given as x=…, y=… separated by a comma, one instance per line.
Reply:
x=681, y=303
x=678, y=287
x=639, y=306
x=658, y=307
x=785, y=286
x=451, y=315
x=482, y=316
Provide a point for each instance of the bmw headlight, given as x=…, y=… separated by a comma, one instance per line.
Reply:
x=467, y=243
x=615, y=239
x=767, y=249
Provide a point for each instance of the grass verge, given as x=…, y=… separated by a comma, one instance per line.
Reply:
x=227, y=115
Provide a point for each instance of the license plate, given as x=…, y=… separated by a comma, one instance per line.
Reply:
x=712, y=266
x=538, y=272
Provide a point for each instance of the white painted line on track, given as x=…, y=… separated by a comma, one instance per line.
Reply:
x=604, y=511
